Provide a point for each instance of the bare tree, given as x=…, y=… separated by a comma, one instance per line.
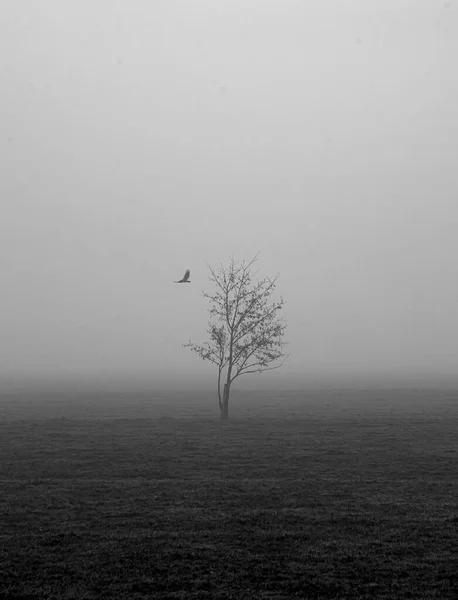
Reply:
x=245, y=330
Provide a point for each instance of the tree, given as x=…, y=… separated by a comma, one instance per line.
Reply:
x=245, y=329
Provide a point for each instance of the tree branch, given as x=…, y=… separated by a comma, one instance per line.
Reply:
x=244, y=372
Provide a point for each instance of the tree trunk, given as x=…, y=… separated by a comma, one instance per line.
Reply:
x=225, y=403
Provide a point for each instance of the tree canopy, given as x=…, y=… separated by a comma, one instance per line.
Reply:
x=245, y=329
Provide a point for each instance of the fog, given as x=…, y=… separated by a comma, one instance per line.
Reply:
x=142, y=138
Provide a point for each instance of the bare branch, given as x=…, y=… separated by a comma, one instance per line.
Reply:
x=260, y=370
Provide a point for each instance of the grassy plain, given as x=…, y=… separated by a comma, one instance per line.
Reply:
x=313, y=495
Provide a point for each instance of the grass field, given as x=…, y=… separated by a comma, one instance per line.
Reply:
x=301, y=495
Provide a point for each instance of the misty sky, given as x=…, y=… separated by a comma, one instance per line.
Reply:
x=141, y=138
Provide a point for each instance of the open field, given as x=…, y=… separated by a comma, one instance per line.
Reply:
x=346, y=495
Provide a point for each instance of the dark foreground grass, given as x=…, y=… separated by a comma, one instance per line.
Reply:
x=274, y=508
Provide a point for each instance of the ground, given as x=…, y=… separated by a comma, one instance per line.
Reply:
x=301, y=495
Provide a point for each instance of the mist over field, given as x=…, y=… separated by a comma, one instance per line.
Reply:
x=140, y=139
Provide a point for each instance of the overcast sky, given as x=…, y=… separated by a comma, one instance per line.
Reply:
x=140, y=138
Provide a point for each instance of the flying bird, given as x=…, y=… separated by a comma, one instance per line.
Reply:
x=185, y=277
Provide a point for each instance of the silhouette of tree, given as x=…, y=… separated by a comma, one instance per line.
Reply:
x=245, y=329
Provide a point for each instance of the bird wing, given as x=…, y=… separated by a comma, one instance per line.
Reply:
x=186, y=275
